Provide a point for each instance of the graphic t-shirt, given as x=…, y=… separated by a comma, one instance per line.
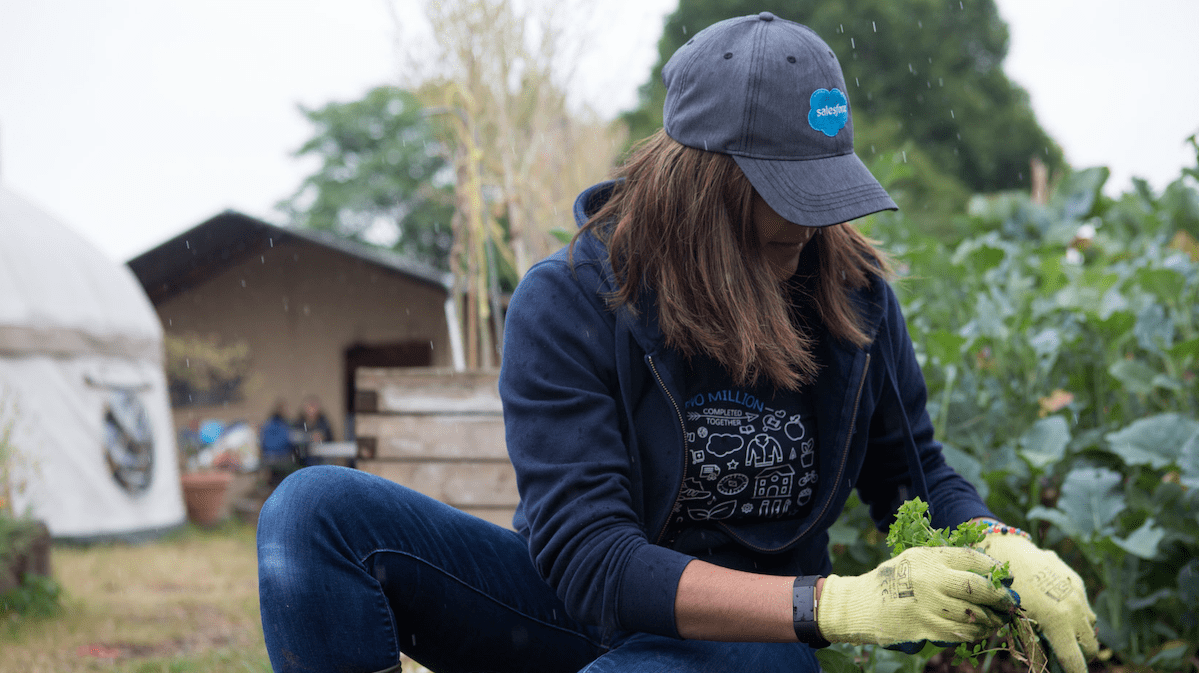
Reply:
x=751, y=452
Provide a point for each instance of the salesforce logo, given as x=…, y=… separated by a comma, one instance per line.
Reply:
x=830, y=111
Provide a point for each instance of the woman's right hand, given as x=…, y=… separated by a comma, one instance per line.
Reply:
x=924, y=594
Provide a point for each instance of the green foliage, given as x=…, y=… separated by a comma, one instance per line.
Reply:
x=382, y=176
x=37, y=597
x=1060, y=343
x=924, y=76
x=913, y=528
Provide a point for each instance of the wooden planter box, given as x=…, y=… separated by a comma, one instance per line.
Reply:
x=438, y=432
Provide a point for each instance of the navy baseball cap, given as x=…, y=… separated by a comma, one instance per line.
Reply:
x=770, y=93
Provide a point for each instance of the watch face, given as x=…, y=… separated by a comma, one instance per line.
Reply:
x=128, y=441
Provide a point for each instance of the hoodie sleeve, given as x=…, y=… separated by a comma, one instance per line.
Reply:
x=563, y=428
x=900, y=427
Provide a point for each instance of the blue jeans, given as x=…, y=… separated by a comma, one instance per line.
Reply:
x=354, y=569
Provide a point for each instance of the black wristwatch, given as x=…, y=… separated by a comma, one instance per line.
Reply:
x=804, y=611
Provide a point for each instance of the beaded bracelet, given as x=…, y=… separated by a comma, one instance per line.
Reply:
x=994, y=526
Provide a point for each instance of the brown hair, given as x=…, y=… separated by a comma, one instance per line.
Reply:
x=680, y=224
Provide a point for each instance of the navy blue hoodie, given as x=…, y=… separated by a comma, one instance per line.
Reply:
x=593, y=420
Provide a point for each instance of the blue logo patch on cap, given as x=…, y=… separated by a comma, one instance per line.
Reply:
x=830, y=111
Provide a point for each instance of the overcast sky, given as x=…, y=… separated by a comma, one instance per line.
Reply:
x=134, y=120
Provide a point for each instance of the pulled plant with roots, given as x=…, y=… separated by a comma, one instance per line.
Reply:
x=913, y=528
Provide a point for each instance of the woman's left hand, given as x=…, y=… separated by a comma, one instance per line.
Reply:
x=1052, y=594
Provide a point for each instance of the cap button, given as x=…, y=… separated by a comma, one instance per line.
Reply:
x=766, y=16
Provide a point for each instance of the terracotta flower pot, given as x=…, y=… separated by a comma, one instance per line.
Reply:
x=204, y=495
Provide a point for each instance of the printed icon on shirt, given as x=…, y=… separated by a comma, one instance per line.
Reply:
x=732, y=484
x=795, y=429
x=775, y=482
x=693, y=490
x=722, y=511
x=720, y=445
x=709, y=472
x=808, y=457
x=763, y=451
x=773, y=508
x=773, y=422
x=804, y=496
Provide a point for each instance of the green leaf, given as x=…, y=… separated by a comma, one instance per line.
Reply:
x=1134, y=375
x=1046, y=343
x=1143, y=541
x=1090, y=499
x=1154, y=329
x=1188, y=348
x=1188, y=460
x=1166, y=284
x=944, y=346
x=1056, y=517
x=1156, y=441
x=1045, y=442
x=834, y=661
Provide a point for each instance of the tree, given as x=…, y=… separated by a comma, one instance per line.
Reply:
x=925, y=71
x=521, y=155
x=384, y=178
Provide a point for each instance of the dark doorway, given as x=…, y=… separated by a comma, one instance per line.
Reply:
x=404, y=354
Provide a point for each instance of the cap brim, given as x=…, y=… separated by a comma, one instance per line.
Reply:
x=817, y=192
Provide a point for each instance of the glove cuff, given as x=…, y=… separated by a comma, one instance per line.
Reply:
x=835, y=616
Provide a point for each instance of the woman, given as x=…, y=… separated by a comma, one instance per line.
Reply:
x=690, y=390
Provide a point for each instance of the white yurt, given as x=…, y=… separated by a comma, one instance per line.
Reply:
x=85, y=421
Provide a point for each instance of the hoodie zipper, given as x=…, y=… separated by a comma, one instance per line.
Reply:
x=853, y=417
x=683, y=429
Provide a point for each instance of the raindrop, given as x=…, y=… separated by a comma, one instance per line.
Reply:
x=187, y=362
x=920, y=23
x=555, y=611
x=940, y=81
x=271, y=241
x=851, y=44
x=414, y=640
x=905, y=156
x=856, y=83
x=951, y=114
x=875, y=27
x=243, y=282
x=961, y=5
x=705, y=145
x=169, y=320
x=263, y=258
x=187, y=244
x=910, y=69
x=684, y=30
x=872, y=149
x=928, y=84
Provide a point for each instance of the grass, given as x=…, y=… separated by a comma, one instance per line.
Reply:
x=185, y=603
x=188, y=602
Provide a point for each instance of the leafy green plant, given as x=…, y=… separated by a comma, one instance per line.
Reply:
x=1060, y=343
x=913, y=528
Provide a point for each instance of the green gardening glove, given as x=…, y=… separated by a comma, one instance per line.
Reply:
x=1052, y=594
x=925, y=593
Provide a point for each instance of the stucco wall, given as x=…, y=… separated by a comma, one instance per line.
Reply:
x=299, y=306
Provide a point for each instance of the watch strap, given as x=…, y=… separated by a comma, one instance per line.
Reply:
x=803, y=615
